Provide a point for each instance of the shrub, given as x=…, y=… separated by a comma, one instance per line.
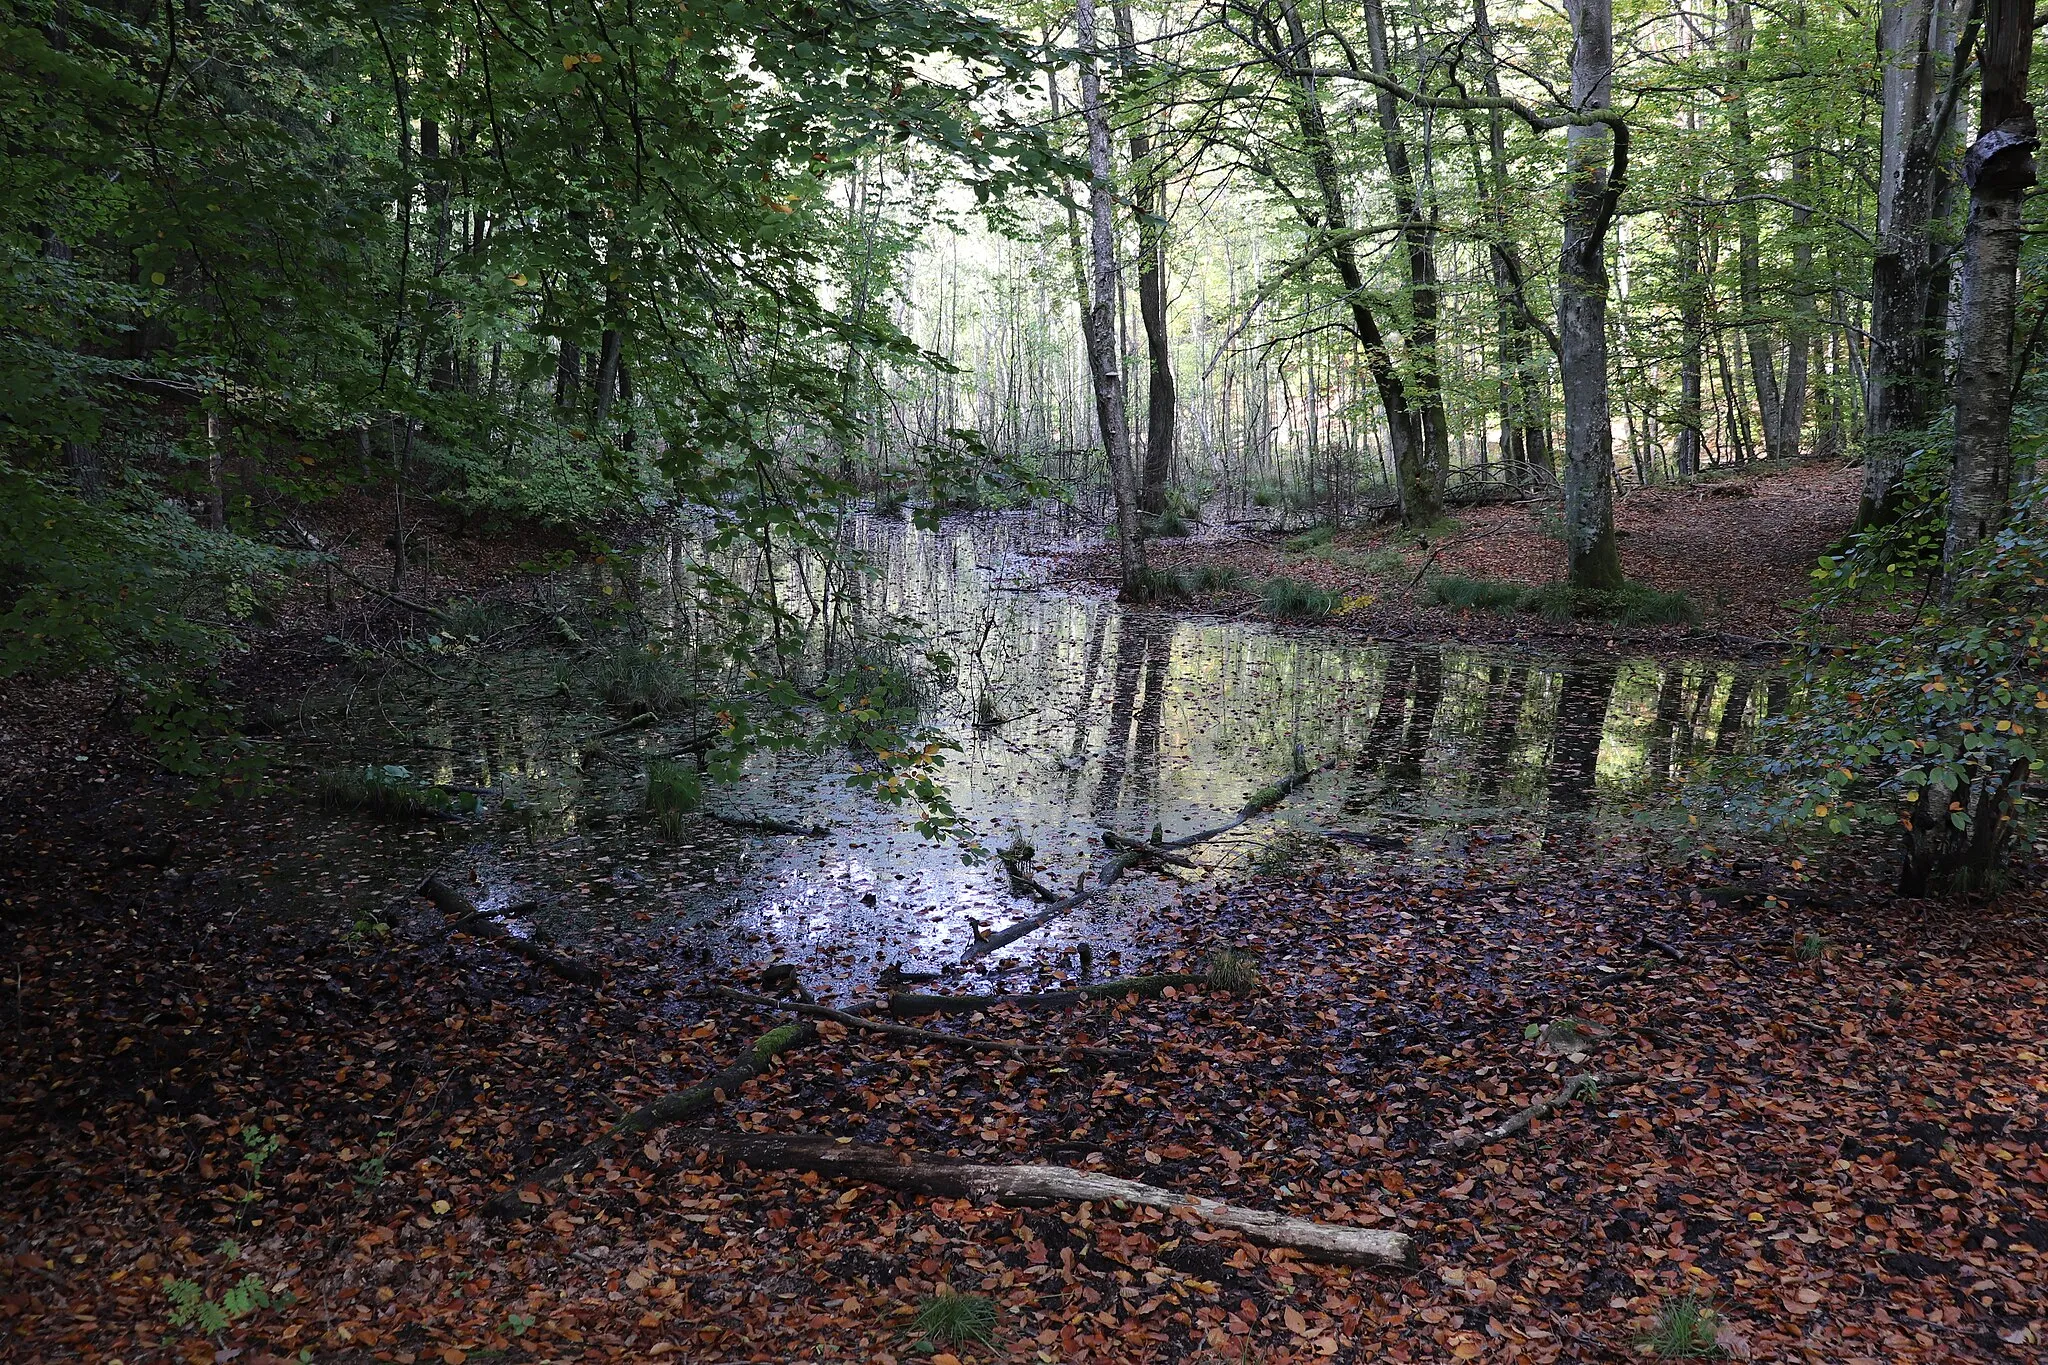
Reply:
x=1632, y=604
x=1475, y=594
x=1292, y=597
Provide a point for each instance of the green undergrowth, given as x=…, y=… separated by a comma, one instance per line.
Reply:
x=951, y=1319
x=1632, y=604
x=384, y=792
x=1286, y=596
x=637, y=681
x=1193, y=580
x=673, y=791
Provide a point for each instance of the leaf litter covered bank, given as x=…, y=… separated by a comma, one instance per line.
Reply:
x=1837, y=1147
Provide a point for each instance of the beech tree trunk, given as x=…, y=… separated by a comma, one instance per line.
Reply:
x=1419, y=503
x=1999, y=168
x=1105, y=364
x=1593, y=561
x=1148, y=204
x=1418, y=236
x=1525, y=427
x=1915, y=41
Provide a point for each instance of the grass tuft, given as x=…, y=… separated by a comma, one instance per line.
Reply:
x=387, y=793
x=1233, y=972
x=1291, y=597
x=1810, y=947
x=1686, y=1329
x=673, y=788
x=1474, y=594
x=635, y=681
x=1632, y=604
x=1314, y=538
x=951, y=1319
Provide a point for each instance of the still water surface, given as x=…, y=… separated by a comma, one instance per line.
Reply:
x=1115, y=718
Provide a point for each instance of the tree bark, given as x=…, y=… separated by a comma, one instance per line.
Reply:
x=1525, y=427
x=1105, y=363
x=1756, y=331
x=1999, y=168
x=1148, y=206
x=1914, y=44
x=939, y=1176
x=1419, y=505
x=1418, y=236
x=1593, y=560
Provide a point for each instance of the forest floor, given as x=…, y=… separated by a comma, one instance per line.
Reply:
x=1838, y=1143
x=1741, y=549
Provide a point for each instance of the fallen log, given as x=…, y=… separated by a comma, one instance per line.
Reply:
x=763, y=824
x=1387, y=842
x=644, y=719
x=473, y=921
x=1120, y=1056
x=1262, y=800
x=909, y=1005
x=1577, y=1087
x=1148, y=852
x=671, y=1108
x=1376, y=1248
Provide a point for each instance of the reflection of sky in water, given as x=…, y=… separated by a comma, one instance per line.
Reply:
x=1120, y=719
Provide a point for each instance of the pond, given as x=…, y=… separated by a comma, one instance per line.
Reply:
x=1071, y=715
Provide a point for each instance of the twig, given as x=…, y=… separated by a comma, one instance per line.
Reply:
x=1581, y=1086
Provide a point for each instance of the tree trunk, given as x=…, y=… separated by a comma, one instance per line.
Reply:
x=1914, y=38
x=1998, y=168
x=1692, y=332
x=1419, y=504
x=1522, y=391
x=1105, y=362
x=1756, y=333
x=1148, y=205
x=1799, y=328
x=1418, y=236
x=1593, y=561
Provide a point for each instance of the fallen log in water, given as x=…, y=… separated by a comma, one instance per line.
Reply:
x=1262, y=800
x=473, y=921
x=908, y=1005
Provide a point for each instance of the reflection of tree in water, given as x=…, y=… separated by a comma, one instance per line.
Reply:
x=1084, y=703
x=1507, y=688
x=1583, y=695
x=1732, y=711
x=1143, y=642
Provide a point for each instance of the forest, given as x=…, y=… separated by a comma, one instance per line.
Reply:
x=961, y=681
